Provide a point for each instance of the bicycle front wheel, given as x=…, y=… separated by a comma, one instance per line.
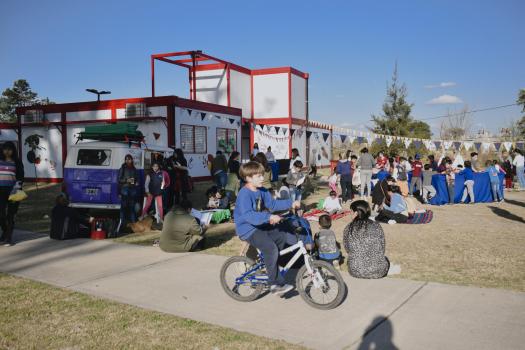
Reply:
x=324, y=288
x=240, y=289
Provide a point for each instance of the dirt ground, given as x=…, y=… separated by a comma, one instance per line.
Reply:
x=480, y=245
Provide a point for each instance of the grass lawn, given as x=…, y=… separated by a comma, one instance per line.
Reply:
x=479, y=245
x=34, y=315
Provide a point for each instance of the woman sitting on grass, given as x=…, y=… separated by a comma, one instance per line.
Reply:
x=364, y=242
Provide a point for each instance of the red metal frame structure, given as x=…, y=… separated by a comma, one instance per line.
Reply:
x=199, y=61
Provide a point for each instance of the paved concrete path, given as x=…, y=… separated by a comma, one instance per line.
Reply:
x=387, y=313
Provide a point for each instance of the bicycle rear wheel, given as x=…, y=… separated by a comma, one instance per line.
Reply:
x=330, y=289
x=231, y=271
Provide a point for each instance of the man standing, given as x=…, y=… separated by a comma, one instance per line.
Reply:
x=366, y=163
x=518, y=162
x=417, y=168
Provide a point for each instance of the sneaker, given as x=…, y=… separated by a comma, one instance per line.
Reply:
x=280, y=290
x=392, y=222
x=336, y=264
x=8, y=244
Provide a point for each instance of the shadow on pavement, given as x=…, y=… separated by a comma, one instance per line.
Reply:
x=506, y=214
x=378, y=335
x=515, y=202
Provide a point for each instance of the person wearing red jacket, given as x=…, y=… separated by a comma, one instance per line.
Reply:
x=417, y=168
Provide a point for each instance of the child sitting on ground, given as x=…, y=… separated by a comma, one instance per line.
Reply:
x=326, y=243
x=332, y=203
x=295, y=180
x=428, y=190
x=217, y=198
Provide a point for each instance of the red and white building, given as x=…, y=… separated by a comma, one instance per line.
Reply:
x=230, y=107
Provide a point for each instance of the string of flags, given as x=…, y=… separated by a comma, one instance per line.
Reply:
x=349, y=136
x=209, y=116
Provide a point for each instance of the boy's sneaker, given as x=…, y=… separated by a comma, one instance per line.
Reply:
x=336, y=264
x=392, y=222
x=280, y=290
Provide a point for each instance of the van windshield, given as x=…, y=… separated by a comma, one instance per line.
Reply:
x=96, y=157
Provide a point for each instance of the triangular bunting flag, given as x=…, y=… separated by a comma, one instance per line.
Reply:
x=285, y=130
x=351, y=138
x=231, y=120
x=428, y=144
x=238, y=123
x=388, y=141
x=447, y=144
x=308, y=134
x=343, y=138
x=407, y=142
x=457, y=145
x=203, y=115
x=189, y=111
x=468, y=145
x=417, y=144
x=519, y=145
x=477, y=145
x=497, y=146
x=437, y=144
x=360, y=139
x=325, y=136
x=485, y=146
x=156, y=135
x=292, y=131
x=277, y=128
x=508, y=146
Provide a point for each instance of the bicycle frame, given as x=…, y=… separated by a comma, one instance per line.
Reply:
x=263, y=279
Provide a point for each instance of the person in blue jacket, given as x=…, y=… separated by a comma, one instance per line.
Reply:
x=468, y=190
x=255, y=223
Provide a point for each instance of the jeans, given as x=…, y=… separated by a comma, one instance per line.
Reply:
x=496, y=191
x=521, y=176
x=221, y=179
x=295, y=194
x=428, y=191
x=468, y=191
x=416, y=180
x=128, y=198
x=270, y=242
x=7, y=213
x=451, y=192
x=346, y=188
x=366, y=179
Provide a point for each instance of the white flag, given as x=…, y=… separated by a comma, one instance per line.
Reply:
x=447, y=144
x=468, y=145
x=485, y=146
x=508, y=145
x=388, y=141
x=407, y=142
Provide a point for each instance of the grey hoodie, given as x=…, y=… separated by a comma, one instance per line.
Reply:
x=366, y=162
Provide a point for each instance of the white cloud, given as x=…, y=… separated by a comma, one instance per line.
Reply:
x=444, y=100
x=444, y=84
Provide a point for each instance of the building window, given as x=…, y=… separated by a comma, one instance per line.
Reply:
x=193, y=139
x=94, y=157
x=226, y=140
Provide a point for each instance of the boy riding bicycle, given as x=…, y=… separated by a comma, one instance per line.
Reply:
x=255, y=223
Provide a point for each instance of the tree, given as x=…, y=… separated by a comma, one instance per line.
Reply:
x=456, y=126
x=521, y=123
x=396, y=119
x=17, y=96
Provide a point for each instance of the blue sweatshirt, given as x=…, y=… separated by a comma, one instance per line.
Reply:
x=397, y=204
x=247, y=218
x=468, y=173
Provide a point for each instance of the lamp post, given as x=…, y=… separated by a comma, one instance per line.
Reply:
x=98, y=93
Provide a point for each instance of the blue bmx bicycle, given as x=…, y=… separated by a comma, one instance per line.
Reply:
x=318, y=282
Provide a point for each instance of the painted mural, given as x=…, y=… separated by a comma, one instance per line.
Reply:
x=275, y=136
x=320, y=146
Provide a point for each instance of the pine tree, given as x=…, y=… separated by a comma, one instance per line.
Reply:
x=19, y=95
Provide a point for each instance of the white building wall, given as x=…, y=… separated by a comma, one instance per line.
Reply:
x=276, y=136
x=320, y=150
x=298, y=97
x=299, y=140
x=198, y=162
x=212, y=86
x=240, y=92
x=270, y=95
x=49, y=152
x=89, y=115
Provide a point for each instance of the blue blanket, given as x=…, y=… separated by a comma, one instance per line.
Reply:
x=482, y=189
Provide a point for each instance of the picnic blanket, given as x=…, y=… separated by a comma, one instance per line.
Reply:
x=421, y=218
x=314, y=214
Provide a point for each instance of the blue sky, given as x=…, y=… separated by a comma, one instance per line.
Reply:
x=348, y=47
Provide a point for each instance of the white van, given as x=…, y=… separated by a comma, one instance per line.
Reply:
x=91, y=171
